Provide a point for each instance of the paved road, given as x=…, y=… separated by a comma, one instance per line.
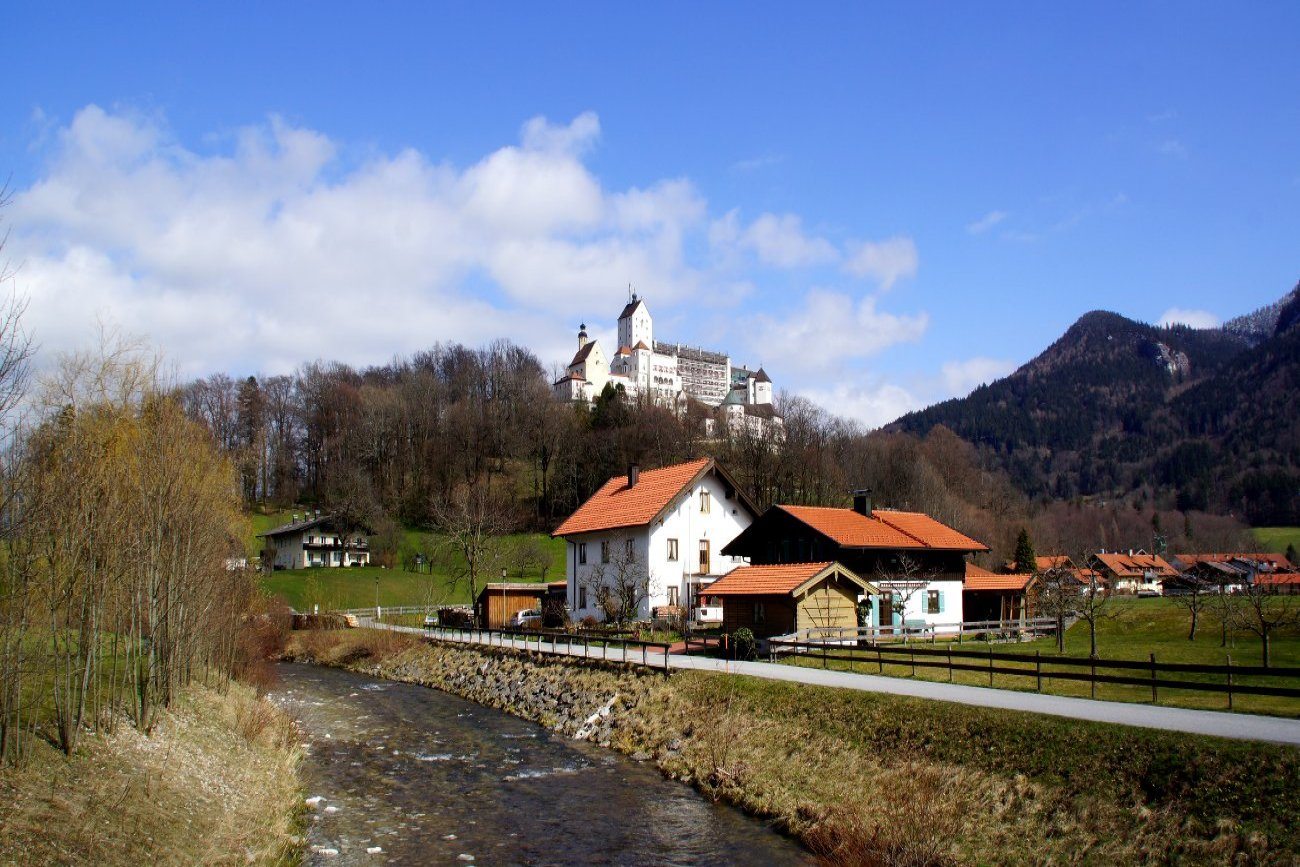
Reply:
x=1239, y=726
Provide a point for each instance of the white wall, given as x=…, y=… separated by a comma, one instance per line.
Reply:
x=683, y=522
x=948, y=619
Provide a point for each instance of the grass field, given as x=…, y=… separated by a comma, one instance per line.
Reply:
x=1275, y=539
x=1139, y=628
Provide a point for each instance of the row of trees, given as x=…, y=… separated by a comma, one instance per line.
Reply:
x=119, y=519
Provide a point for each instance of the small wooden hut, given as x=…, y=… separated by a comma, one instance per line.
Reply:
x=789, y=597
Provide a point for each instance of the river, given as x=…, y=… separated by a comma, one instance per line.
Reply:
x=411, y=775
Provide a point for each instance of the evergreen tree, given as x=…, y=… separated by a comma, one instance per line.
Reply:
x=1025, y=561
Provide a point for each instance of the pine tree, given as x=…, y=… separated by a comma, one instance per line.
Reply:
x=1025, y=561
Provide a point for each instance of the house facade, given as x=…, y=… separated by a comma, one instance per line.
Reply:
x=817, y=598
x=664, y=529
x=917, y=563
x=315, y=540
x=1135, y=572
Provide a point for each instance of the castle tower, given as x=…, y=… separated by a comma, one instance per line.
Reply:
x=582, y=335
x=634, y=324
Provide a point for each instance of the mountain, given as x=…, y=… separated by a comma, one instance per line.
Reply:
x=1195, y=418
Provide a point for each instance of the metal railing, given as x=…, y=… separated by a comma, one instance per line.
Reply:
x=558, y=643
x=908, y=633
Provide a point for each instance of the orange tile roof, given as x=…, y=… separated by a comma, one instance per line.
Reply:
x=617, y=505
x=982, y=579
x=1051, y=561
x=1278, y=578
x=763, y=580
x=1133, y=565
x=884, y=529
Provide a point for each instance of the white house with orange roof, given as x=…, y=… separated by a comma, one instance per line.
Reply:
x=668, y=525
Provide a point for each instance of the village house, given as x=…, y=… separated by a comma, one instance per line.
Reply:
x=989, y=596
x=917, y=563
x=1231, y=572
x=790, y=597
x=1136, y=572
x=663, y=530
x=314, y=540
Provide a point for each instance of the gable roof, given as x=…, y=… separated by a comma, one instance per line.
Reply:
x=1052, y=561
x=778, y=580
x=884, y=528
x=982, y=579
x=1135, y=565
x=616, y=505
x=1273, y=561
x=299, y=526
x=582, y=353
x=631, y=307
x=761, y=376
x=640, y=346
x=1278, y=578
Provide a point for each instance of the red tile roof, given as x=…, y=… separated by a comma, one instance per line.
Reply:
x=640, y=344
x=982, y=579
x=883, y=529
x=1278, y=578
x=764, y=580
x=1051, y=561
x=582, y=353
x=1134, y=565
x=617, y=505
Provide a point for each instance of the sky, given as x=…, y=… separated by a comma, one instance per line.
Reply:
x=885, y=205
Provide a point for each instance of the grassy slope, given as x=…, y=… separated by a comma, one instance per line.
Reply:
x=1140, y=627
x=1275, y=539
x=214, y=784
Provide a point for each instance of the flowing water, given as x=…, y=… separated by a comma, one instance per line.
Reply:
x=411, y=775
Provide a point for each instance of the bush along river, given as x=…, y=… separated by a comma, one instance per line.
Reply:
x=399, y=773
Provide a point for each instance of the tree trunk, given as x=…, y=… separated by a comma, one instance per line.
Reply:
x=1060, y=633
x=1191, y=636
x=1263, y=638
x=1092, y=639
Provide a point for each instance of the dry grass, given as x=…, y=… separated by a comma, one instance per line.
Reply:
x=347, y=647
x=214, y=784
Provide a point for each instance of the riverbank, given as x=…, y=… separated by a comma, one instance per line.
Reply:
x=862, y=777
x=214, y=783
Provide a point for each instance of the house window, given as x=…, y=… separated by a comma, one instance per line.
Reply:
x=672, y=596
x=706, y=503
x=672, y=550
x=582, y=597
x=760, y=613
x=704, y=556
x=604, y=551
x=629, y=550
x=933, y=602
x=582, y=553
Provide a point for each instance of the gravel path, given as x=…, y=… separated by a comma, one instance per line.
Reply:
x=1239, y=726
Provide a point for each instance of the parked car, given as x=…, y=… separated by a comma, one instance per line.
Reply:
x=430, y=621
x=532, y=617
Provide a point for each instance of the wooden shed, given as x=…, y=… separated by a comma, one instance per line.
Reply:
x=498, y=603
x=789, y=597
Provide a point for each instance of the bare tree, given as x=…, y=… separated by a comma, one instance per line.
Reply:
x=529, y=554
x=1193, y=594
x=1260, y=609
x=621, y=584
x=1059, y=590
x=902, y=579
x=472, y=522
x=1092, y=605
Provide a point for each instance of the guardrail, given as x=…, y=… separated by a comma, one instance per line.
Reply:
x=906, y=633
x=1050, y=667
x=557, y=643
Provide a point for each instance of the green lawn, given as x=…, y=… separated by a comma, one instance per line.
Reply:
x=1139, y=628
x=1275, y=539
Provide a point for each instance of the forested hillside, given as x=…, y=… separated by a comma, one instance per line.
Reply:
x=1189, y=418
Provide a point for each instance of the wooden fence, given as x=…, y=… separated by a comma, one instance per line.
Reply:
x=1143, y=673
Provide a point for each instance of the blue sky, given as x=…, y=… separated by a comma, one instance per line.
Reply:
x=882, y=204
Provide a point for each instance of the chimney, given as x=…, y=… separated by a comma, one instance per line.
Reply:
x=633, y=475
x=862, y=501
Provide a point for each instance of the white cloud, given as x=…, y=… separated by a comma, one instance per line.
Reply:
x=872, y=403
x=775, y=239
x=830, y=329
x=986, y=222
x=961, y=377
x=1194, y=318
x=270, y=251
x=755, y=163
x=885, y=262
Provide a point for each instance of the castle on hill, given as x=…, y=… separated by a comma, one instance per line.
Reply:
x=670, y=375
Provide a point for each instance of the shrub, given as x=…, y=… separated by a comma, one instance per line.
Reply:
x=744, y=644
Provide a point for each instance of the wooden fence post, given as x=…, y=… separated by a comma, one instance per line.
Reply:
x=1229, y=681
x=950, y=663
x=1038, y=669
x=1092, y=681
x=990, y=665
x=880, y=662
x=911, y=654
x=1154, y=698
